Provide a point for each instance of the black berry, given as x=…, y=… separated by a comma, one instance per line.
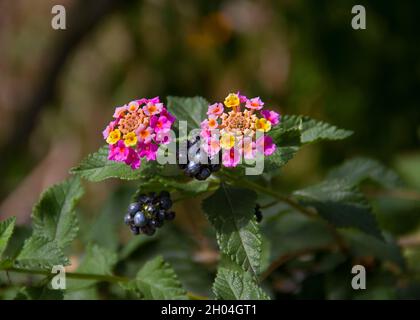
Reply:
x=133, y=208
x=192, y=168
x=258, y=213
x=204, y=173
x=170, y=215
x=198, y=165
x=149, y=213
x=139, y=219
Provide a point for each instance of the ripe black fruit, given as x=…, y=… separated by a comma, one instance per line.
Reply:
x=149, y=212
x=198, y=164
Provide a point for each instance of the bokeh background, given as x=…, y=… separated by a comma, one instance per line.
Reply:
x=58, y=88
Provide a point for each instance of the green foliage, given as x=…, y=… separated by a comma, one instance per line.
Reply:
x=358, y=170
x=293, y=132
x=6, y=230
x=54, y=216
x=301, y=238
x=96, y=261
x=234, y=285
x=157, y=280
x=40, y=253
x=341, y=204
x=193, y=110
x=39, y=293
x=96, y=167
x=231, y=212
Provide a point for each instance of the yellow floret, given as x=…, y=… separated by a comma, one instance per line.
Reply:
x=114, y=136
x=232, y=100
x=263, y=125
x=130, y=139
x=227, y=141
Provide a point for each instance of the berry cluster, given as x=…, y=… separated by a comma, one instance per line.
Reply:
x=149, y=212
x=195, y=163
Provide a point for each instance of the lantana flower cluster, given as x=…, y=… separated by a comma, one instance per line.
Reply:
x=137, y=130
x=238, y=127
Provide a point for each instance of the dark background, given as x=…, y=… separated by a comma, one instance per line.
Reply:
x=58, y=88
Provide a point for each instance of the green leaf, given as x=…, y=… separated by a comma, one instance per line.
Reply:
x=234, y=285
x=6, y=230
x=231, y=211
x=54, y=216
x=97, y=261
x=40, y=252
x=357, y=170
x=313, y=130
x=363, y=245
x=96, y=167
x=342, y=205
x=39, y=293
x=295, y=131
x=157, y=280
x=193, y=110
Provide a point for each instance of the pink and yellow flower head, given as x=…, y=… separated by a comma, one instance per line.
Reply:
x=137, y=131
x=242, y=125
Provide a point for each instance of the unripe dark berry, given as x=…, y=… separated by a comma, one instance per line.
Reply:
x=170, y=215
x=165, y=203
x=215, y=167
x=203, y=174
x=139, y=219
x=127, y=219
x=192, y=168
x=133, y=208
x=199, y=165
x=156, y=223
x=135, y=230
x=152, y=211
x=143, y=198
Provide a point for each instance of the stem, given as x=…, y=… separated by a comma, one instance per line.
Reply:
x=89, y=276
x=72, y=275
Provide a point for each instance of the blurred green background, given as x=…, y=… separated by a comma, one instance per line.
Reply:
x=58, y=88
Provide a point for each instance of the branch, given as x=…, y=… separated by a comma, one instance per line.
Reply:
x=89, y=276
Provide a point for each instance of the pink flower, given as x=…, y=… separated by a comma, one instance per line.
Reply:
x=144, y=133
x=215, y=109
x=118, y=152
x=242, y=98
x=119, y=110
x=152, y=108
x=271, y=116
x=254, y=103
x=148, y=150
x=163, y=137
x=266, y=144
x=211, y=146
x=153, y=100
x=109, y=128
x=168, y=115
x=231, y=157
x=160, y=124
x=249, y=148
x=141, y=101
x=133, y=159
